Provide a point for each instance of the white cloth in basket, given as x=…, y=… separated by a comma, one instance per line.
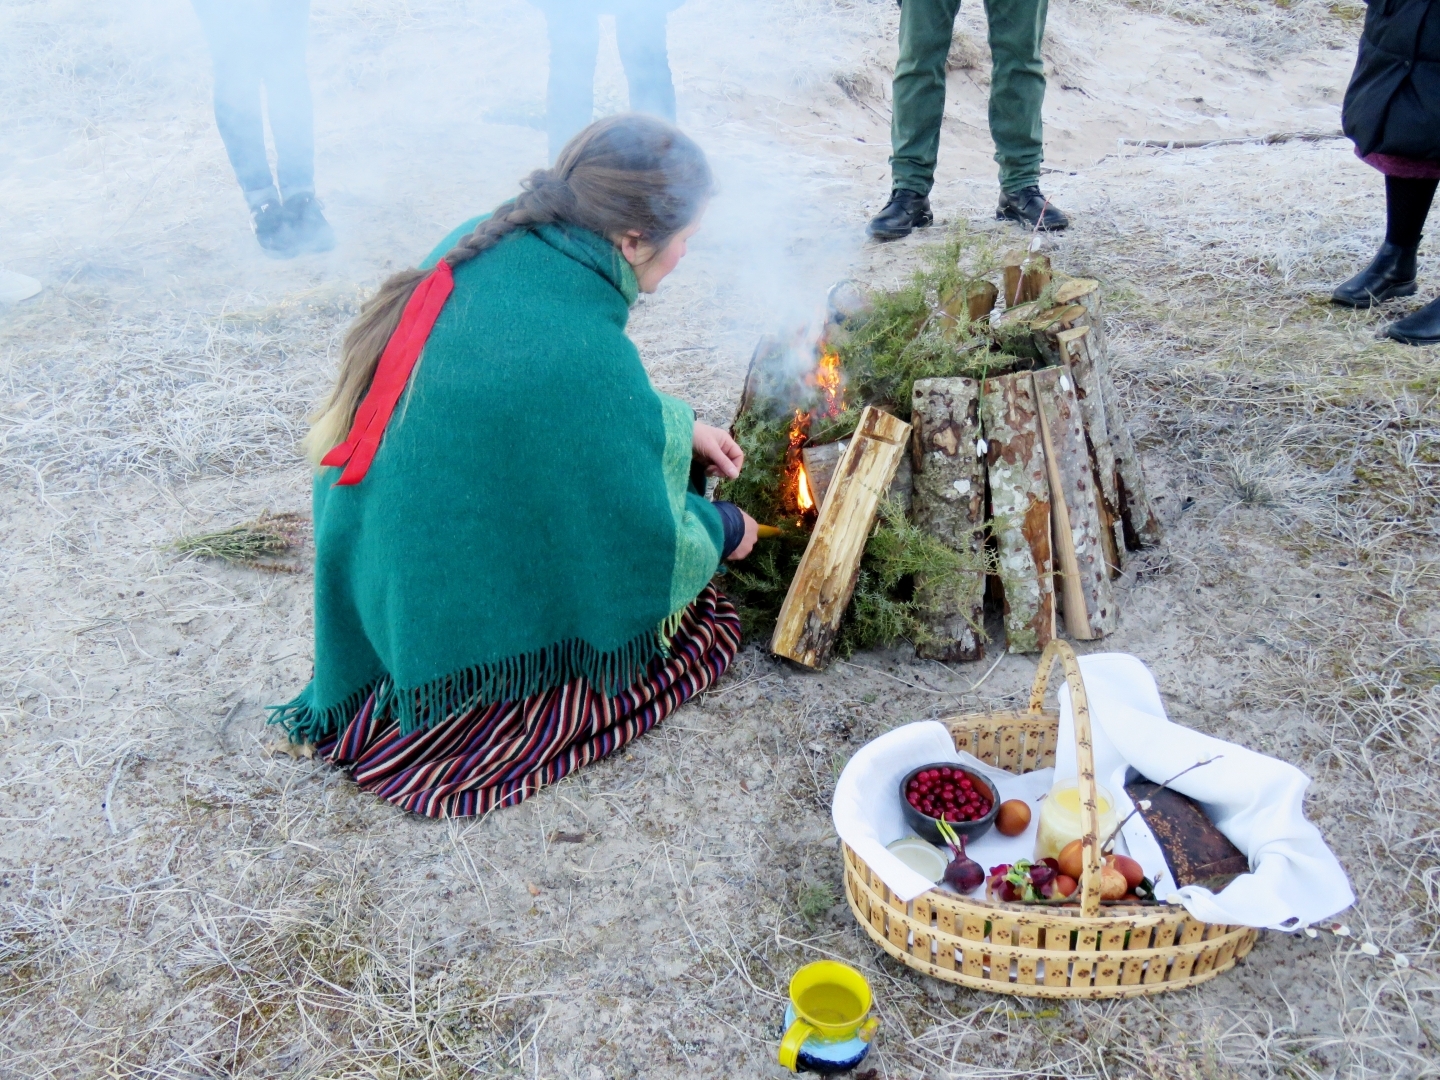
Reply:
x=1256, y=801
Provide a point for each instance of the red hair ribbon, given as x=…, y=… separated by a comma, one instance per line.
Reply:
x=391, y=375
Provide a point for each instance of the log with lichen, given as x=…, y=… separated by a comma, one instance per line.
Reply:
x=1019, y=510
x=948, y=502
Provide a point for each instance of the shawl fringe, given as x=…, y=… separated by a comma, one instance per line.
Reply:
x=511, y=679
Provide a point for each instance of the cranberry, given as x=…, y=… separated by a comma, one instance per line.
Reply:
x=965, y=782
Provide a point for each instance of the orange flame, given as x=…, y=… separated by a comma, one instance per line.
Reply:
x=803, y=498
x=830, y=381
x=799, y=429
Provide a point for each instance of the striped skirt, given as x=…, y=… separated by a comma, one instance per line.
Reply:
x=499, y=755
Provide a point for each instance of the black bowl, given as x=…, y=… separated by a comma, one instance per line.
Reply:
x=924, y=825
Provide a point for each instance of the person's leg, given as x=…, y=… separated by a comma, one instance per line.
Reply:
x=1392, y=272
x=231, y=31
x=287, y=95
x=292, y=125
x=1017, y=89
x=640, y=37
x=926, y=27
x=570, y=93
x=1407, y=204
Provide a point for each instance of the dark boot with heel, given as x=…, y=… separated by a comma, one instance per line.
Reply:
x=1418, y=328
x=1390, y=274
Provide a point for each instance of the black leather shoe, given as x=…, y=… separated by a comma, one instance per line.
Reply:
x=272, y=229
x=905, y=212
x=1028, y=206
x=309, y=231
x=1390, y=274
x=1418, y=328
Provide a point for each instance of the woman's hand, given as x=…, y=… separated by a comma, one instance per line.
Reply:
x=721, y=453
x=751, y=534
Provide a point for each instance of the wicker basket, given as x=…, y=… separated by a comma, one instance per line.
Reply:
x=1056, y=952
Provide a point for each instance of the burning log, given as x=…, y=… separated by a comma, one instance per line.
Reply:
x=820, y=462
x=1020, y=510
x=825, y=579
x=949, y=504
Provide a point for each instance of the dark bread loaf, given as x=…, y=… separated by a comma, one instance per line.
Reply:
x=1196, y=852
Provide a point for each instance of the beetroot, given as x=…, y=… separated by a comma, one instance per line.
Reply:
x=964, y=873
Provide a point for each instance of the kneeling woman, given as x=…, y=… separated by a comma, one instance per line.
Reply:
x=512, y=556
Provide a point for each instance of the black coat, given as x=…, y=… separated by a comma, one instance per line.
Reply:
x=1393, y=103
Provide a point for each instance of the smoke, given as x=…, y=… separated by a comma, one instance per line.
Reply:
x=426, y=112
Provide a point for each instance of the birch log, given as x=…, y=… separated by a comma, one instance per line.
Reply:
x=1020, y=510
x=1128, y=490
x=1135, y=506
x=949, y=504
x=1080, y=554
x=824, y=580
x=1075, y=356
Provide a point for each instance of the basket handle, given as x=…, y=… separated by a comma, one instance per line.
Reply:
x=1084, y=763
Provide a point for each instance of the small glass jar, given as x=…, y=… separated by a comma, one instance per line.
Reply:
x=1060, y=818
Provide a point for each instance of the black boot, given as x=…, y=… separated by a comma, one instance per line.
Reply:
x=309, y=231
x=1390, y=274
x=905, y=212
x=1028, y=206
x=1418, y=328
x=272, y=229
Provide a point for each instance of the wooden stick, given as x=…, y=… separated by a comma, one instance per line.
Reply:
x=1020, y=510
x=825, y=579
x=1090, y=609
x=949, y=504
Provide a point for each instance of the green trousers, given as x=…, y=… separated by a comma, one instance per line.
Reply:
x=1017, y=90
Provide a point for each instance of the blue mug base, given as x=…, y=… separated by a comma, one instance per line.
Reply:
x=824, y=1058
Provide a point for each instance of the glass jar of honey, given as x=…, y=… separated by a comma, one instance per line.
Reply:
x=1060, y=818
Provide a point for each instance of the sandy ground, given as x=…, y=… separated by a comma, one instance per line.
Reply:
x=177, y=900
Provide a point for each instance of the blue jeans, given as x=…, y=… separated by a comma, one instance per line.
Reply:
x=574, y=42
x=257, y=43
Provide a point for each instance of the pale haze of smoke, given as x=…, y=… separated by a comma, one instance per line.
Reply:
x=425, y=113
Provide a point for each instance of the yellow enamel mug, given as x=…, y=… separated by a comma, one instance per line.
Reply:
x=831, y=1002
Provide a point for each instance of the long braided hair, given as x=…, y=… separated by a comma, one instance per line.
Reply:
x=623, y=174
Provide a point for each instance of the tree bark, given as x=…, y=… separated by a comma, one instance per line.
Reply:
x=1127, y=494
x=1075, y=356
x=1133, y=500
x=1089, y=603
x=949, y=504
x=825, y=579
x=1020, y=510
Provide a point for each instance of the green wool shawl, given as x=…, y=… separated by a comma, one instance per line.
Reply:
x=529, y=517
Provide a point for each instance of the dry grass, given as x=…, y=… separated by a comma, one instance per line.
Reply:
x=254, y=543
